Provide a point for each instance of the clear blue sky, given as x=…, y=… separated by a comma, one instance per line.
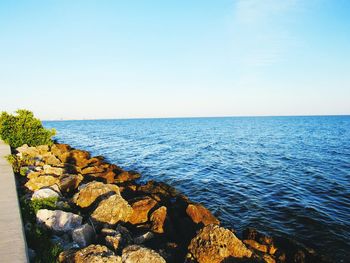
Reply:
x=128, y=59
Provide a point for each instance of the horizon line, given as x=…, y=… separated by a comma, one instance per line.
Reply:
x=201, y=117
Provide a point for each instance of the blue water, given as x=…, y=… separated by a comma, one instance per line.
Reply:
x=287, y=176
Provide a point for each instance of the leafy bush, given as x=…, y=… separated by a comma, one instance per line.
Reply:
x=30, y=207
x=18, y=163
x=24, y=128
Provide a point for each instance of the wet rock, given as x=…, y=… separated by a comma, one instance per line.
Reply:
x=126, y=177
x=255, y=245
x=259, y=241
x=199, y=214
x=44, y=193
x=252, y=234
x=91, y=191
x=157, y=219
x=55, y=171
x=138, y=254
x=213, y=244
x=158, y=190
x=112, y=210
x=83, y=235
x=58, y=221
x=92, y=254
x=69, y=182
x=141, y=208
x=37, y=182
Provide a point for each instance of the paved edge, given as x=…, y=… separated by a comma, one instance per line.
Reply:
x=13, y=247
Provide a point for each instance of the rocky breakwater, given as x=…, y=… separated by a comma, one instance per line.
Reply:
x=102, y=214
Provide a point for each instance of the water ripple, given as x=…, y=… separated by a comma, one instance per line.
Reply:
x=287, y=176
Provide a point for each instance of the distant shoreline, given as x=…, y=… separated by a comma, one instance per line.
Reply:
x=200, y=117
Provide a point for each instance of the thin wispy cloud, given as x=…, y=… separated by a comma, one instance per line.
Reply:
x=258, y=29
x=258, y=11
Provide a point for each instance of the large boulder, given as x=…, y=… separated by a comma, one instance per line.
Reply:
x=31, y=152
x=157, y=219
x=39, y=181
x=141, y=209
x=138, y=254
x=213, y=244
x=91, y=191
x=199, y=214
x=83, y=235
x=58, y=221
x=77, y=157
x=51, y=159
x=69, y=182
x=54, y=171
x=45, y=193
x=92, y=254
x=112, y=210
x=60, y=149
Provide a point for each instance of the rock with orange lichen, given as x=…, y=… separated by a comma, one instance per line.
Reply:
x=88, y=194
x=141, y=209
x=199, y=214
x=92, y=254
x=157, y=219
x=213, y=244
x=112, y=210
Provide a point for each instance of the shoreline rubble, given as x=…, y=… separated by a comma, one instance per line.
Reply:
x=103, y=214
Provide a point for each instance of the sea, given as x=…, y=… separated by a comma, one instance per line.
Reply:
x=285, y=176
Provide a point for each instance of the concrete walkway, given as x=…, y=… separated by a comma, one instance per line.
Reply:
x=13, y=247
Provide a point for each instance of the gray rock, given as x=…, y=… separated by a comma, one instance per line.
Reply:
x=58, y=221
x=44, y=193
x=83, y=235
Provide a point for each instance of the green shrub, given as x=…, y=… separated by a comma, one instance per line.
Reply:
x=23, y=128
x=18, y=163
x=30, y=207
